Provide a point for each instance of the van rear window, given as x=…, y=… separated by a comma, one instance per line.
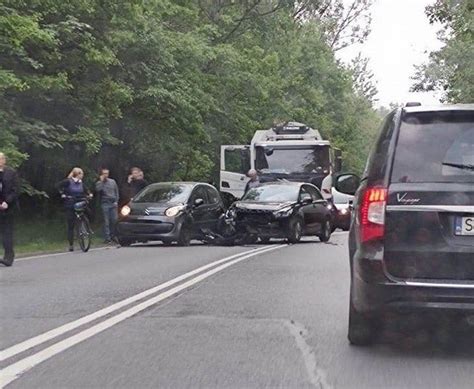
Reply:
x=435, y=147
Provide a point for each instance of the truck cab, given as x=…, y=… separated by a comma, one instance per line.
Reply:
x=290, y=151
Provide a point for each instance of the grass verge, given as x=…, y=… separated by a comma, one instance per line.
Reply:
x=37, y=236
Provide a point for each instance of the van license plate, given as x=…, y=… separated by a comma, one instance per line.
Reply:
x=464, y=225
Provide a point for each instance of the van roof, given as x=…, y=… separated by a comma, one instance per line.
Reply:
x=439, y=108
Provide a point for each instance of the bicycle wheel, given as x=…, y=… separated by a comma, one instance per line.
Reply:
x=83, y=233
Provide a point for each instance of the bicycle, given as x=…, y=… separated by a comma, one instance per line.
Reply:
x=82, y=229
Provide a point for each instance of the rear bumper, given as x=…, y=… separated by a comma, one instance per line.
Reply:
x=374, y=291
x=343, y=221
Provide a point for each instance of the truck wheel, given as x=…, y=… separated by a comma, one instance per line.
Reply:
x=362, y=328
x=295, y=230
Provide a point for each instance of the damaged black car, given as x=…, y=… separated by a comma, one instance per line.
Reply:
x=284, y=210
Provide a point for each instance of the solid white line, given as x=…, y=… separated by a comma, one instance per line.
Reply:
x=58, y=254
x=13, y=371
x=37, y=340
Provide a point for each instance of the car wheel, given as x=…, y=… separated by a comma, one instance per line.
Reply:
x=265, y=240
x=295, y=230
x=184, y=238
x=167, y=242
x=124, y=242
x=326, y=232
x=362, y=328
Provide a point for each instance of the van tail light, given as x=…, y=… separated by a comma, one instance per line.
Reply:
x=372, y=214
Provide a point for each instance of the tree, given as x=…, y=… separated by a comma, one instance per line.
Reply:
x=450, y=69
x=363, y=78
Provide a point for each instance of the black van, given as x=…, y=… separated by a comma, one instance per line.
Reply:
x=411, y=241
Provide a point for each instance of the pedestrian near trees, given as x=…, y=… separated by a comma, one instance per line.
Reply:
x=8, y=197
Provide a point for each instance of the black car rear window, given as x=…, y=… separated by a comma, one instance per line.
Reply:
x=435, y=147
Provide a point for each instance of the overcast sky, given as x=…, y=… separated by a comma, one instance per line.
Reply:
x=401, y=38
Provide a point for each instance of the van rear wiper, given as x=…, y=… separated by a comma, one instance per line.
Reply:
x=459, y=165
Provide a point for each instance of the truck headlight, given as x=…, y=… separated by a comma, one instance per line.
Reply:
x=173, y=211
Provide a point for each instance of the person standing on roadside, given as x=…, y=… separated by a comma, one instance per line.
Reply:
x=109, y=197
x=136, y=181
x=8, y=197
x=72, y=190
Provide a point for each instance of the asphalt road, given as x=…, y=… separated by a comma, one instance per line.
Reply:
x=211, y=317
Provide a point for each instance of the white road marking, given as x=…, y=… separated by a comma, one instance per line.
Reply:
x=316, y=375
x=46, y=336
x=13, y=371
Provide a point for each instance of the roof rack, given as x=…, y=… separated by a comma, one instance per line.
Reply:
x=413, y=104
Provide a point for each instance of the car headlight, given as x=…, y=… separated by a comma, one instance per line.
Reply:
x=125, y=211
x=173, y=211
x=284, y=212
x=344, y=211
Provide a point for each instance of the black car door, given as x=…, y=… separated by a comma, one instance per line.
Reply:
x=307, y=209
x=199, y=212
x=320, y=211
x=215, y=208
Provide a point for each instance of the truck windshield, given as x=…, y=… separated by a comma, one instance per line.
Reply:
x=293, y=160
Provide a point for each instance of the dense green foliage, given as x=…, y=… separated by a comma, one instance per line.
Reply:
x=162, y=84
x=451, y=69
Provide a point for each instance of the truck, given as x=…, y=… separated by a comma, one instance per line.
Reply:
x=290, y=151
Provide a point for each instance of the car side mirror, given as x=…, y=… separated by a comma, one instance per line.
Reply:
x=198, y=202
x=347, y=184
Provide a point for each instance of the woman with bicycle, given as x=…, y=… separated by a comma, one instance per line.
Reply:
x=73, y=191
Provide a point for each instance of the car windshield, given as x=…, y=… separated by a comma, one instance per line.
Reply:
x=293, y=160
x=163, y=193
x=435, y=147
x=273, y=193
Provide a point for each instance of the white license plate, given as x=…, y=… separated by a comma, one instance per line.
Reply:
x=464, y=225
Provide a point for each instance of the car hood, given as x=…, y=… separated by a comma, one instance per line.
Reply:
x=244, y=205
x=150, y=209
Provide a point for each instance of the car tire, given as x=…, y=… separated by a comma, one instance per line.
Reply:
x=295, y=230
x=264, y=240
x=184, y=238
x=167, y=242
x=326, y=232
x=124, y=242
x=362, y=328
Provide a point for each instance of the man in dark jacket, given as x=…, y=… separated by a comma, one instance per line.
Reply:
x=8, y=197
x=109, y=197
x=136, y=182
